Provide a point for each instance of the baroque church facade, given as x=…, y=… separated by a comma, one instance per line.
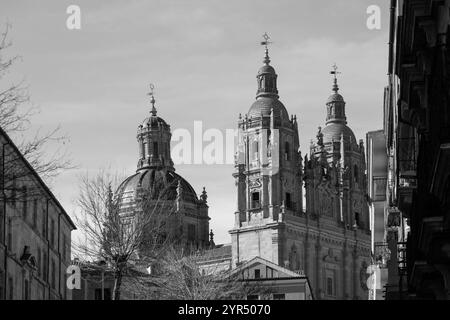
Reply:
x=329, y=241
x=156, y=176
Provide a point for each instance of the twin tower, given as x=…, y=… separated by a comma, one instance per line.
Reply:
x=328, y=238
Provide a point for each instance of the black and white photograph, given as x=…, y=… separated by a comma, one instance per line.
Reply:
x=194, y=150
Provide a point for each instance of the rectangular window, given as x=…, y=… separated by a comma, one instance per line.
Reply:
x=253, y=297
x=279, y=296
x=155, y=149
x=257, y=274
x=255, y=200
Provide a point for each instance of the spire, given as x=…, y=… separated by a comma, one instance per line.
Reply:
x=335, y=103
x=267, y=78
x=335, y=73
x=152, y=100
x=265, y=43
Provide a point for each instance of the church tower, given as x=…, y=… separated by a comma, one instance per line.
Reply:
x=156, y=178
x=268, y=173
x=335, y=176
x=329, y=241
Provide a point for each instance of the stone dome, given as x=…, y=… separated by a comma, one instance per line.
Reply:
x=335, y=97
x=264, y=106
x=333, y=132
x=159, y=183
x=153, y=121
x=266, y=69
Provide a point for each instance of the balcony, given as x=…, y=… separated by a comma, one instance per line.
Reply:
x=382, y=254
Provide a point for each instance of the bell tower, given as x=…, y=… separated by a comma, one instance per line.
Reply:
x=153, y=137
x=268, y=172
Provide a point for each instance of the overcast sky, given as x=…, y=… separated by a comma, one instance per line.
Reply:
x=202, y=57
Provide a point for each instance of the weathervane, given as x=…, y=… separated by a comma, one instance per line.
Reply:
x=335, y=73
x=265, y=43
x=152, y=101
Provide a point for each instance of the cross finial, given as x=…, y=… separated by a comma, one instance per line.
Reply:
x=265, y=43
x=335, y=73
x=152, y=101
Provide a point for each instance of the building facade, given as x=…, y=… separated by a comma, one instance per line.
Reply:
x=377, y=172
x=330, y=242
x=35, y=232
x=156, y=177
x=417, y=129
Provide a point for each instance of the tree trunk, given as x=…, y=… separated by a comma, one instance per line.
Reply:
x=117, y=285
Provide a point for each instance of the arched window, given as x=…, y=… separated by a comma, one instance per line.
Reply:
x=155, y=149
x=287, y=151
x=356, y=173
x=255, y=150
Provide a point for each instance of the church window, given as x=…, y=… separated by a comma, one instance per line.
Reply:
x=257, y=274
x=155, y=149
x=357, y=219
x=255, y=150
x=329, y=286
x=255, y=200
x=191, y=232
x=289, y=204
x=356, y=174
x=287, y=151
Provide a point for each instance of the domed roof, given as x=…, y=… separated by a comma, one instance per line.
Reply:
x=266, y=69
x=333, y=131
x=335, y=97
x=153, y=121
x=264, y=106
x=158, y=183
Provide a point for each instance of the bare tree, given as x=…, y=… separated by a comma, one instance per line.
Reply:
x=127, y=235
x=182, y=276
x=16, y=116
